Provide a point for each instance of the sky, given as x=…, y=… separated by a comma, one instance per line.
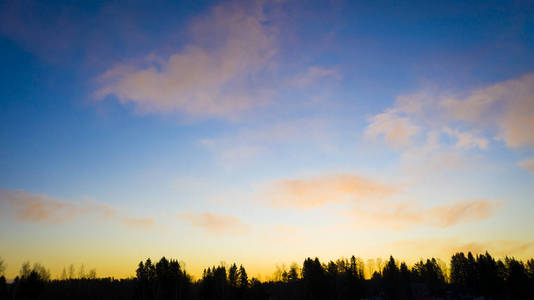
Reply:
x=264, y=132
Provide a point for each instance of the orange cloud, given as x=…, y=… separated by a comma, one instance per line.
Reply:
x=509, y=105
x=42, y=209
x=314, y=192
x=401, y=216
x=528, y=165
x=45, y=210
x=446, y=247
x=467, y=140
x=208, y=77
x=217, y=224
x=502, y=111
x=314, y=74
x=397, y=131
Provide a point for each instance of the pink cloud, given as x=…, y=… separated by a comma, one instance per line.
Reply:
x=396, y=130
x=508, y=105
x=216, y=223
x=41, y=209
x=406, y=215
x=467, y=140
x=445, y=247
x=321, y=190
x=314, y=74
x=502, y=111
x=209, y=77
x=527, y=165
x=45, y=210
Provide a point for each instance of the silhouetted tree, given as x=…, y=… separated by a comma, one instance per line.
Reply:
x=2, y=267
x=490, y=282
x=314, y=279
x=3, y=284
x=243, y=277
x=516, y=278
x=31, y=281
x=293, y=274
x=390, y=277
x=463, y=273
x=431, y=275
x=232, y=276
x=3, y=288
x=404, y=282
x=471, y=276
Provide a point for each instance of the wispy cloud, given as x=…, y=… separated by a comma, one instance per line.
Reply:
x=452, y=125
x=507, y=105
x=527, y=164
x=406, y=215
x=216, y=223
x=42, y=209
x=209, y=77
x=317, y=191
x=397, y=131
x=315, y=74
x=466, y=140
x=445, y=247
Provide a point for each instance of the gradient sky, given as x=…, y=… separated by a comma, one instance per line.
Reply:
x=263, y=132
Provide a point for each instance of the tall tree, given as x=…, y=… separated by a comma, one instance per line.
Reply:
x=233, y=276
x=243, y=277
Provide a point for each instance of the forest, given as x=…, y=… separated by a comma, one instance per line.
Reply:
x=466, y=277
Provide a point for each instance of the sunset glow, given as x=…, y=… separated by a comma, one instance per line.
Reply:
x=264, y=132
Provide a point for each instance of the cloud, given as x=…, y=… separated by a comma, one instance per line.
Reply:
x=214, y=76
x=466, y=140
x=45, y=210
x=446, y=247
x=397, y=131
x=527, y=164
x=321, y=190
x=507, y=105
x=216, y=223
x=405, y=215
x=142, y=224
x=314, y=74
x=502, y=111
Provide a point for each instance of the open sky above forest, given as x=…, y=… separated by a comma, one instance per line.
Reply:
x=264, y=132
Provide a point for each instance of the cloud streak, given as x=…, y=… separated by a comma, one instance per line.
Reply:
x=527, y=165
x=42, y=209
x=210, y=77
x=502, y=111
x=406, y=215
x=507, y=105
x=318, y=191
x=315, y=74
x=445, y=247
x=396, y=131
x=216, y=223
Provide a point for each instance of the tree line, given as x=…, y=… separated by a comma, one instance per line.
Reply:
x=469, y=276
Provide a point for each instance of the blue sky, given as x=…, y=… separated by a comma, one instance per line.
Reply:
x=221, y=130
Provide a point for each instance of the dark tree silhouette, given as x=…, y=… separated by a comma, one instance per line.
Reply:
x=470, y=277
x=431, y=275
